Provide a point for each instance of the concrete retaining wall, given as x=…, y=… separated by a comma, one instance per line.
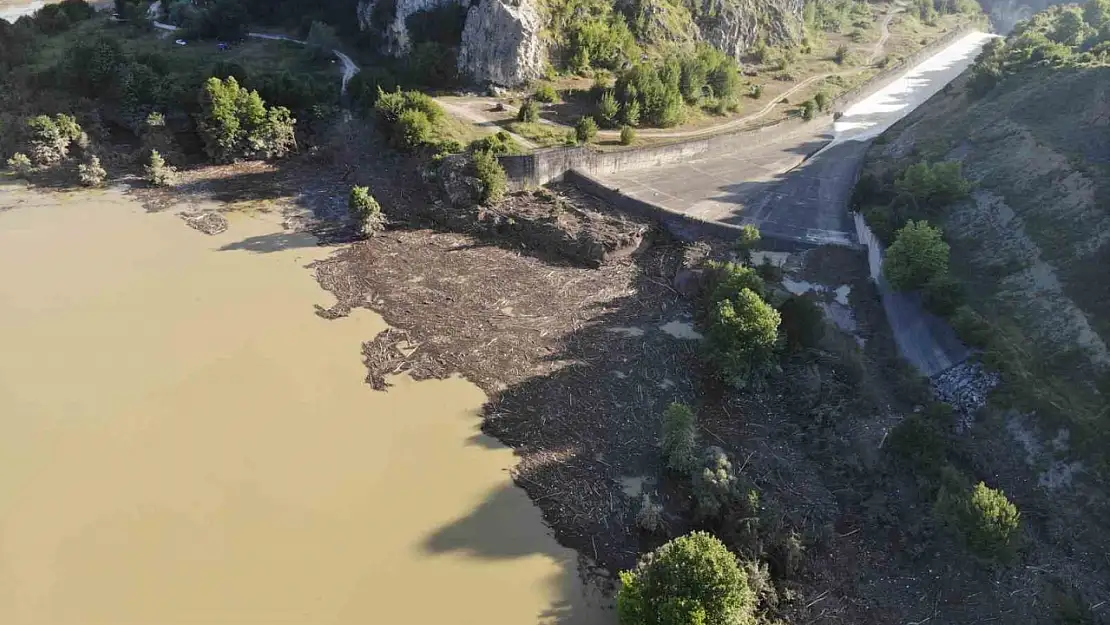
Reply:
x=680, y=225
x=544, y=166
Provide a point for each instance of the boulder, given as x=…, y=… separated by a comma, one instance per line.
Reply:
x=501, y=43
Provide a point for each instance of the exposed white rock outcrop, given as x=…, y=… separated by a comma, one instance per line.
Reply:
x=501, y=43
x=734, y=26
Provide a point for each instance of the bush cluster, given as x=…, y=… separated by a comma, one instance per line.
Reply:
x=235, y=123
x=492, y=176
x=90, y=173
x=365, y=212
x=410, y=120
x=657, y=94
x=742, y=328
x=918, y=256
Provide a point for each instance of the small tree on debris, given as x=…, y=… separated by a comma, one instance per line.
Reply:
x=693, y=579
x=365, y=211
x=680, y=438
x=157, y=172
x=90, y=173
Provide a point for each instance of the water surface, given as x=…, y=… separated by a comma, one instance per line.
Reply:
x=185, y=441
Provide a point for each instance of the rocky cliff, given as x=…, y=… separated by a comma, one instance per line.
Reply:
x=501, y=42
x=733, y=26
x=506, y=42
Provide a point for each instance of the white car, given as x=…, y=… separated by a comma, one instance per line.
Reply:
x=181, y=42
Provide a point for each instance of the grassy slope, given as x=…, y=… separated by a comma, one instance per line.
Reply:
x=1034, y=244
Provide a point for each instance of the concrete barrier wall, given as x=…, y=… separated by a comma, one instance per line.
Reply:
x=875, y=249
x=544, y=166
x=680, y=225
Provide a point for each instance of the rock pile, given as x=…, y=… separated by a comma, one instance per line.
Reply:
x=966, y=387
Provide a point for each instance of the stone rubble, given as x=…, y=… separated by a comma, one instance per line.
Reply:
x=966, y=387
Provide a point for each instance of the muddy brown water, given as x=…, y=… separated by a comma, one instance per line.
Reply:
x=184, y=441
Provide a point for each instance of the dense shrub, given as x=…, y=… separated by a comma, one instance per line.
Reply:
x=803, y=322
x=748, y=238
x=529, y=112
x=741, y=337
x=656, y=92
x=821, y=100
x=693, y=579
x=714, y=484
x=494, y=180
x=918, y=255
x=49, y=139
x=546, y=93
x=680, y=438
x=365, y=211
x=972, y=327
x=934, y=185
x=499, y=144
x=409, y=119
x=983, y=517
x=841, y=55
x=919, y=441
x=234, y=123
x=943, y=294
x=20, y=164
x=90, y=173
x=650, y=515
x=586, y=129
x=726, y=280
x=628, y=135
x=413, y=130
x=756, y=92
x=157, y=172
x=809, y=110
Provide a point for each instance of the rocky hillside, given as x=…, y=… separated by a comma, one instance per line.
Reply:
x=1030, y=125
x=508, y=42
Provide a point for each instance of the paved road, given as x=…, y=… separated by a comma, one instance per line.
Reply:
x=796, y=182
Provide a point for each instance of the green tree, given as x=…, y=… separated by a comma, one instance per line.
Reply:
x=529, y=112
x=726, y=280
x=741, y=337
x=494, y=180
x=917, y=255
x=809, y=110
x=91, y=173
x=631, y=113
x=157, y=172
x=20, y=164
x=680, y=438
x=691, y=580
x=984, y=518
x=628, y=135
x=235, y=123
x=821, y=100
x=608, y=109
x=546, y=93
x=365, y=211
x=586, y=129
x=46, y=143
x=413, y=130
